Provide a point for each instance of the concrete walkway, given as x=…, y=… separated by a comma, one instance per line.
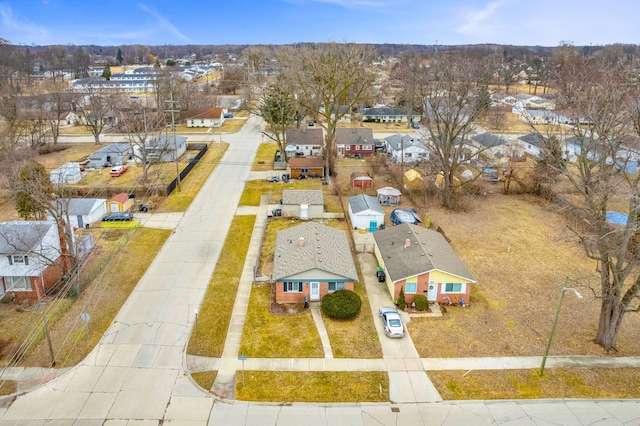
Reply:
x=224, y=384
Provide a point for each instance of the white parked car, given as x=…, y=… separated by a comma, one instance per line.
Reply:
x=391, y=321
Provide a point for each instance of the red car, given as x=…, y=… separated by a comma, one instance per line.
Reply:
x=118, y=170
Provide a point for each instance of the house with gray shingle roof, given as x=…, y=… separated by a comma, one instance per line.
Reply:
x=311, y=260
x=421, y=261
x=352, y=142
x=31, y=258
x=81, y=212
x=303, y=204
x=305, y=141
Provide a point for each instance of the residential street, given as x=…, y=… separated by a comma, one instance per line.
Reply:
x=137, y=375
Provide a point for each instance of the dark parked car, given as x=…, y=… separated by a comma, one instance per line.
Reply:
x=118, y=217
x=404, y=215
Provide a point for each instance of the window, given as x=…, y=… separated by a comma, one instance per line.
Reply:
x=357, y=147
x=292, y=286
x=304, y=170
x=348, y=147
x=17, y=283
x=453, y=288
x=411, y=288
x=18, y=259
x=333, y=286
x=366, y=147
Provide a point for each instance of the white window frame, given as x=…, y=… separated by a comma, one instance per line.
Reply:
x=414, y=290
x=292, y=286
x=452, y=291
x=19, y=259
x=336, y=286
x=11, y=283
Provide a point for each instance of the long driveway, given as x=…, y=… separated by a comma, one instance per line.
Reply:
x=136, y=371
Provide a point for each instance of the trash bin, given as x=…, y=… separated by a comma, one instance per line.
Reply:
x=306, y=302
x=278, y=212
x=143, y=208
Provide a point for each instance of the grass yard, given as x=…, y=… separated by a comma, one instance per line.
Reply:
x=179, y=201
x=518, y=251
x=333, y=386
x=130, y=252
x=266, y=335
x=254, y=189
x=556, y=383
x=265, y=156
x=217, y=305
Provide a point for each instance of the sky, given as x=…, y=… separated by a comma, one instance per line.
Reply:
x=428, y=22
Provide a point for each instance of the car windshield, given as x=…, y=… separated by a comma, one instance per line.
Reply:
x=393, y=322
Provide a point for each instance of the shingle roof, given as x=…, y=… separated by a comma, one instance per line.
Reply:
x=311, y=196
x=363, y=202
x=304, y=136
x=323, y=248
x=489, y=140
x=428, y=251
x=311, y=162
x=79, y=206
x=22, y=236
x=353, y=136
x=203, y=113
x=533, y=138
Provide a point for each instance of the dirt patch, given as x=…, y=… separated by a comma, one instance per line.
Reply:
x=284, y=308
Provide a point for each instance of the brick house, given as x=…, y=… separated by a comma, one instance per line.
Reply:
x=32, y=258
x=311, y=260
x=354, y=142
x=421, y=261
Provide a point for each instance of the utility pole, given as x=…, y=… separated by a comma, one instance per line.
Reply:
x=172, y=110
x=45, y=322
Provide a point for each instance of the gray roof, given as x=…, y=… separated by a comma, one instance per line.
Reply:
x=305, y=136
x=489, y=140
x=533, y=139
x=114, y=148
x=428, y=251
x=165, y=141
x=398, y=142
x=354, y=136
x=364, y=202
x=22, y=236
x=324, y=248
x=79, y=206
x=311, y=196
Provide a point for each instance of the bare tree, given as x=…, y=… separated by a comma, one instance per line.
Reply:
x=604, y=112
x=94, y=110
x=455, y=95
x=278, y=109
x=328, y=81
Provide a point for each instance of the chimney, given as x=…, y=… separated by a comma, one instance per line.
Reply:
x=301, y=241
x=407, y=243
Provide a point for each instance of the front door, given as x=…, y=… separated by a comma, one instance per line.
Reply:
x=304, y=211
x=432, y=294
x=315, y=291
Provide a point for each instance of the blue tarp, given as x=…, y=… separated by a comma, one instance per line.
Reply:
x=617, y=218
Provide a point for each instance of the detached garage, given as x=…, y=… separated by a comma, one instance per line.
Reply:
x=303, y=204
x=120, y=203
x=365, y=212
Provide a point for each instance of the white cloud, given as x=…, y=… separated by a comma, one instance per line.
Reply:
x=481, y=20
x=355, y=4
x=20, y=28
x=164, y=22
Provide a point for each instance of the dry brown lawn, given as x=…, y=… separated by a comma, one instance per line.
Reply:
x=517, y=250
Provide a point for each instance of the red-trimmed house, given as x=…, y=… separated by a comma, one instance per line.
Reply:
x=311, y=260
x=354, y=142
x=32, y=259
x=421, y=261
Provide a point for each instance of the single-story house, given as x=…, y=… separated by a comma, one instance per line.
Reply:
x=67, y=173
x=165, y=148
x=305, y=167
x=365, y=212
x=388, y=196
x=532, y=144
x=495, y=147
x=120, y=203
x=305, y=141
x=32, y=259
x=205, y=117
x=343, y=111
x=406, y=149
x=311, y=260
x=421, y=261
x=114, y=154
x=361, y=180
x=81, y=212
x=303, y=204
x=352, y=142
x=387, y=115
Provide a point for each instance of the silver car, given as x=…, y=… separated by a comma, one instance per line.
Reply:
x=391, y=321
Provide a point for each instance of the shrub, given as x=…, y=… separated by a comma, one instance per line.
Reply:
x=421, y=302
x=402, y=303
x=341, y=304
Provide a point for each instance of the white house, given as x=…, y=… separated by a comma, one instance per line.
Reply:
x=165, y=148
x=81, y=211
x=205, y=117
x=532, y=144
x=406, y=149
x=365, y=212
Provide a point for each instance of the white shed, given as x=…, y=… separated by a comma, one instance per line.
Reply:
x=365, y=212
x=67, y=173
x=303, y=204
